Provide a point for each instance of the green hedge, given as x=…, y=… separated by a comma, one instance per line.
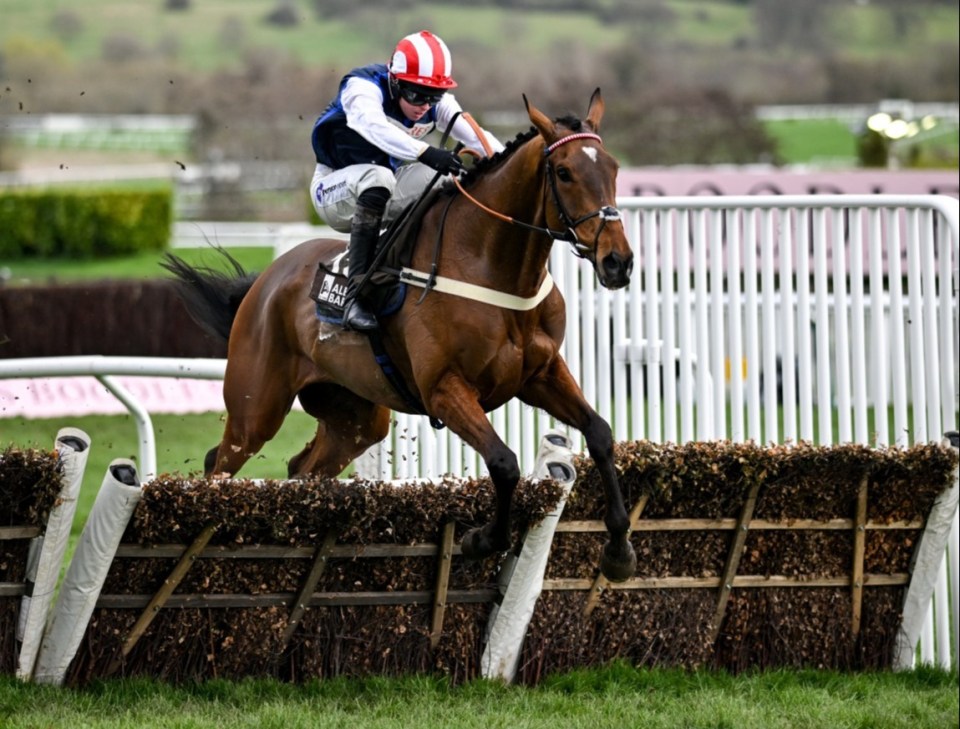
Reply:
x=83, y=223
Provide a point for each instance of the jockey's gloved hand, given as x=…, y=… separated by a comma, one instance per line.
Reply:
x=442, y=160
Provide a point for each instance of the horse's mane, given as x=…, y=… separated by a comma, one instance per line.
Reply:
x=484, y=164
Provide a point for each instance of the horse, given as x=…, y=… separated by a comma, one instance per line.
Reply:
x=487, y=328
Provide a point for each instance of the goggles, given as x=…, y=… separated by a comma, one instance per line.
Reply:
x=418, y=96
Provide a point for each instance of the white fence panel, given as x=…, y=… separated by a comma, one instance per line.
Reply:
x=828, y=319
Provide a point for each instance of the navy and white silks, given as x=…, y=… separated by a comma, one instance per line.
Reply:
x=363, y=139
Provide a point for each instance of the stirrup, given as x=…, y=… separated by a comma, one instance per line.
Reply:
x=357, y=317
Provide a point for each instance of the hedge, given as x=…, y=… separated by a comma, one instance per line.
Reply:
x=31, y=481
x=119, y=318
x=802, y=619
x=83, y=223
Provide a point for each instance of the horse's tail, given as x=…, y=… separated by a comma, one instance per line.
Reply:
x=212, y=297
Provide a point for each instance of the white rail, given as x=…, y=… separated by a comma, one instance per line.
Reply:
x=104, y=369
x=799, y=344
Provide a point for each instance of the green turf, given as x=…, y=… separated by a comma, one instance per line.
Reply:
x=221, y=33
x=182, y=442
x=615, y=697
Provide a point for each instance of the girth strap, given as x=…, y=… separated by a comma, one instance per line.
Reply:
x=432, y=282
x=390, y=372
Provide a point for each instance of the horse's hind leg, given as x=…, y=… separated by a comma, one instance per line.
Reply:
x=210, y=459
x=346, y=426
x=256, y=407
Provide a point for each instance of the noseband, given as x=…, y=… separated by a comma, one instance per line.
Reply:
x=606, y=213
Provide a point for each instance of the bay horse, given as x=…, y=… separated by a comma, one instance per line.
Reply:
x=460, y=353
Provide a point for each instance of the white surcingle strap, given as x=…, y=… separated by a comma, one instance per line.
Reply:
x=477, y=293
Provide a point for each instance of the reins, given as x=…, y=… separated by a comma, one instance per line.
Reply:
x=607, y=213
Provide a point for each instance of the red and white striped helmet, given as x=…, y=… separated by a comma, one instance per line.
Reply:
x=423, y=59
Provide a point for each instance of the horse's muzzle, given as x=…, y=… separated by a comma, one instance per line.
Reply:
x=615, y=270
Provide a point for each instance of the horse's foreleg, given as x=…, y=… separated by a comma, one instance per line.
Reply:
x=556, y=392
x=455, y=402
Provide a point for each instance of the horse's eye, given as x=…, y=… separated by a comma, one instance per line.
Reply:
x=564, y=174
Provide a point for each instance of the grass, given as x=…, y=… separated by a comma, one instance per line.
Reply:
x=812, y=140
x=834, y=142
x=872, y=34
x=205, y=41
x=616, y=696
x=220, y=33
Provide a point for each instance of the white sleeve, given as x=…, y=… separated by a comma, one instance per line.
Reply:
x=462, y=130
x=363, y=106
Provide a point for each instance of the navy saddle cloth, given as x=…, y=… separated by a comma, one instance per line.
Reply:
x=329, y=292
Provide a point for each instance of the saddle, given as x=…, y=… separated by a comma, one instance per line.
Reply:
x=384, y=291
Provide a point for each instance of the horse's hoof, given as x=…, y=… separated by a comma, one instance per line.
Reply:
x=477, y=544
x=619, y=561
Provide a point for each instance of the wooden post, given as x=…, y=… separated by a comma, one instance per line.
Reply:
x=601, y=582
x=859, y=548
x=163, y=594
x=299, y=606
x=18, y=532
x=443, y=584
x=733, y=558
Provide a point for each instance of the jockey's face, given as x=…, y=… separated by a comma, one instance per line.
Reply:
x=413, y=112
x=415, y=101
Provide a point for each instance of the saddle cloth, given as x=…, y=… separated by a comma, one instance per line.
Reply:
x=385, y=292
x=329, y=291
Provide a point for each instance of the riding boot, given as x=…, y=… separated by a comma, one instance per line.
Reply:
x=364, y=234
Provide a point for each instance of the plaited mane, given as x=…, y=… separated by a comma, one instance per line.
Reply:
x=484, y=164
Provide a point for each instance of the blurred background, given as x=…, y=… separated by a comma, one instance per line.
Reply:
x=131, y=128
x=218, y=98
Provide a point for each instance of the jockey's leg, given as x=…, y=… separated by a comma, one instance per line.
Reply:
x=364, y=234
x=412, y=180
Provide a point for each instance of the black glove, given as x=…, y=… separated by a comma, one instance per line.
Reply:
x=442, y=160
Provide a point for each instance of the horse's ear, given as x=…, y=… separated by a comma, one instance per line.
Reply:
x=540, y=120
x=595, y=110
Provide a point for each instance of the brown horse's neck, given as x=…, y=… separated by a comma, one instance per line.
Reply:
x=510, y=257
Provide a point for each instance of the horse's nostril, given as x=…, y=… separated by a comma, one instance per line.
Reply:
x=615, y=266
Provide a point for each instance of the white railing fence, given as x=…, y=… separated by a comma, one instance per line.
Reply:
x=105, y=369
x=788, y=343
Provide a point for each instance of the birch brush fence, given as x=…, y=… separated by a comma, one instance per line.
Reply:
x=749, y=557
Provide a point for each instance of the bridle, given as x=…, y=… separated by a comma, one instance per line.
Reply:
x=606, y=213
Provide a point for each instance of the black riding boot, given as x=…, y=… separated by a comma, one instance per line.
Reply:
x=364, y=234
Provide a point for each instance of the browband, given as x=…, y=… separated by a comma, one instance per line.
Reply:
x=570, y=138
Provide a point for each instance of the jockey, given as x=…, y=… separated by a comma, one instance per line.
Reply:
x=371, y=158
